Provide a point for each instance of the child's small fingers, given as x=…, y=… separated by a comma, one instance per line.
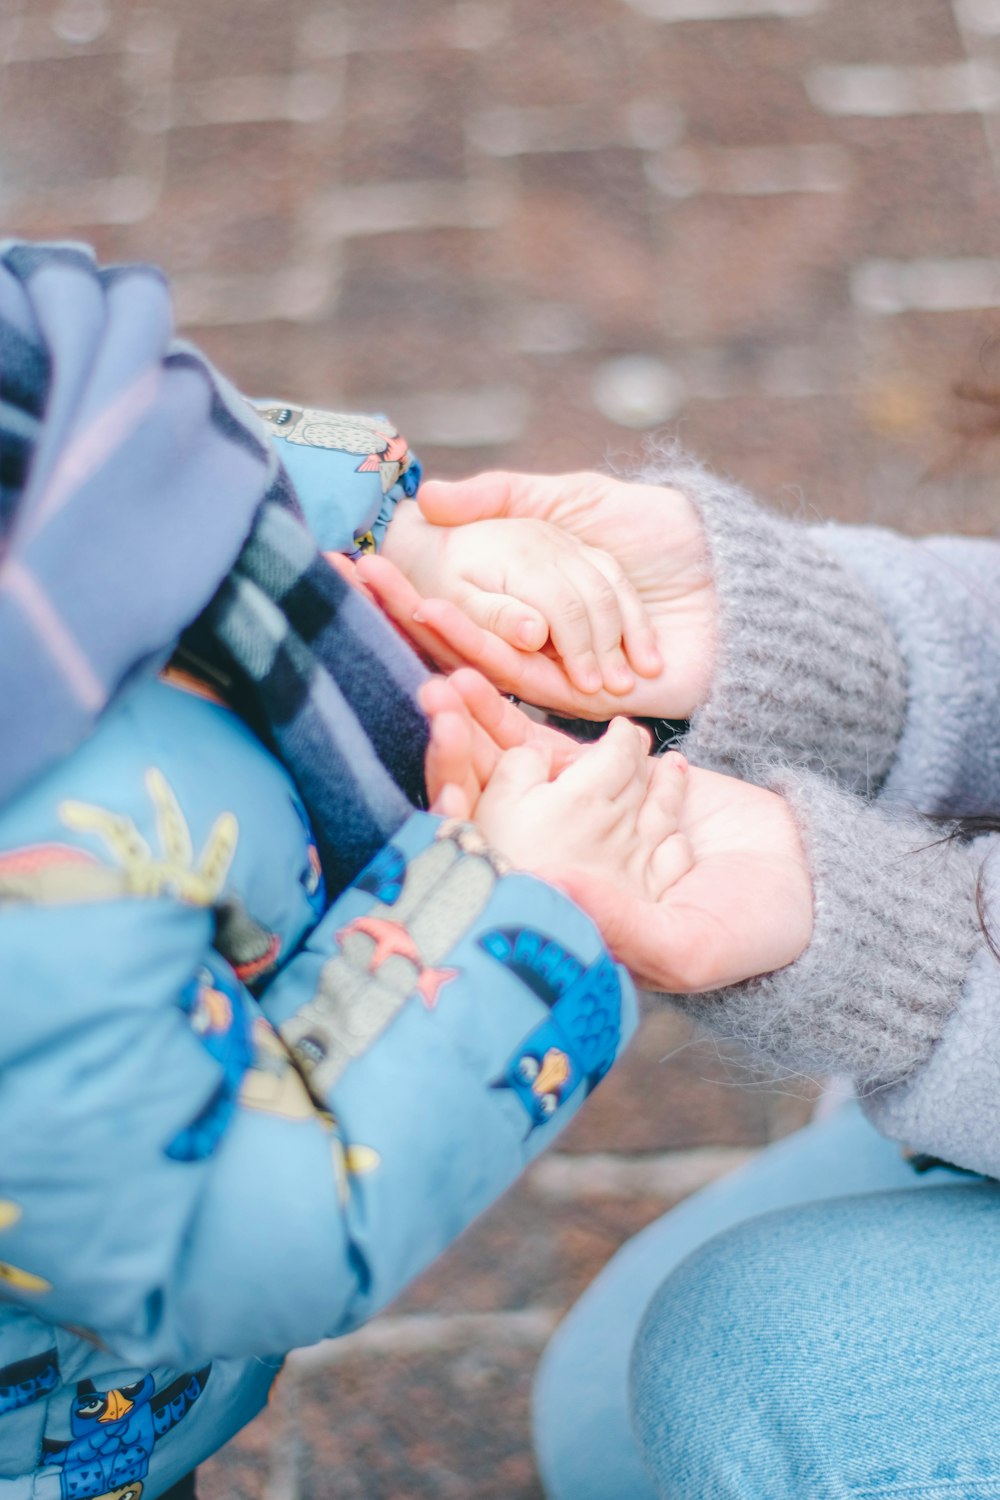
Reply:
x=519, y=624
x=665, y=792
x=546, y=585
x=638, y=636
x=503, y=724
x=606, y=625
x=611, y=768
x=617, y=675
x=518, y=772
x=438, y=695
x=586, y=631
x=488, y=707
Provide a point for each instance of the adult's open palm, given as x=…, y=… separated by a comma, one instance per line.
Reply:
x=652, y=533
x=744, y=904
x=743, y=908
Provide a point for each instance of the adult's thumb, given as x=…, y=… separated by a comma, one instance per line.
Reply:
x=483, y=497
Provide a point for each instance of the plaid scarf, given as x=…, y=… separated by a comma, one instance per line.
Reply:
x=142, y=504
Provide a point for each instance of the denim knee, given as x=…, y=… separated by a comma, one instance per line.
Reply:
x=706, y=1366
x=832, y=1349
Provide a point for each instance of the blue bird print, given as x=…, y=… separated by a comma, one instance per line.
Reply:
x=28, y=1380
x=385, y=876
x=576, y=1043
x=114, y=1432
x=220, y=1019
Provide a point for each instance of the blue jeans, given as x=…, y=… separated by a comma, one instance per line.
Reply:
x=822, y=1324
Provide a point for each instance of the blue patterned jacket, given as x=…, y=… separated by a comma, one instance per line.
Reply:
x=238, y=1119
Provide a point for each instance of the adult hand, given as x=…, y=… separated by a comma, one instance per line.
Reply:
x=606, y=807
x=531, y=583
x=652, y=534
x=743, y=904
x=742, y=908
x=471, y=727
x=605, y=812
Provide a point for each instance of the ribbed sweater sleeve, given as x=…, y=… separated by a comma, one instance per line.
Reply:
x=807, y=668
x=895, y=932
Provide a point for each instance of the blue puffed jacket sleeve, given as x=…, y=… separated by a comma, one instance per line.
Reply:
x=350, y=471
x=208, y=1166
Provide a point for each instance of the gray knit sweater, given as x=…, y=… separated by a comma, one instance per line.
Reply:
x=859, y=674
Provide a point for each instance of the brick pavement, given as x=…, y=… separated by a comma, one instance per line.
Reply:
x=537, y=234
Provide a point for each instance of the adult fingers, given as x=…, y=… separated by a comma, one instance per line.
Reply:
x=445, y=636
x=495, y=493
x=508, y=725
x=442, y=631
x=533, y=676
x=713, y=927
x=401, y=603
x=448, y=761
x=438, y=695
x=348, y=571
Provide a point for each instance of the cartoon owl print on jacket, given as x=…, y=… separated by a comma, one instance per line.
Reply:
x=222, y=1022
x=577, y=1042
x=114, y=1433
x=382, y=449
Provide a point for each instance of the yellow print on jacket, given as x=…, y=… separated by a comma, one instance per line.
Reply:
x=13, y=1276
x=55, y=874
x=173, y=871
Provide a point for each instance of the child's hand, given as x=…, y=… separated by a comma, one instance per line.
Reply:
x=655, y=536
x=471, y=726
x=534, y=585
x=605, y=813
x=743, y=904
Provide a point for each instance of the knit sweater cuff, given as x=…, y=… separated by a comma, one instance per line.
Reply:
x=807, y=666
x=895, y=931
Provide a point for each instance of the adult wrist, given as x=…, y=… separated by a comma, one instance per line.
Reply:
x=806, y=665
x=895, y=930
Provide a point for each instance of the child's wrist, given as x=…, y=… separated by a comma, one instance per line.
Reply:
x=403, y=532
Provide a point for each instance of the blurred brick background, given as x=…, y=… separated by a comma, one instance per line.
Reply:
x=537, y=231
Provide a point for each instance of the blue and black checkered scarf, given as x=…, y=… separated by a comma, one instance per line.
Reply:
x=143, y=511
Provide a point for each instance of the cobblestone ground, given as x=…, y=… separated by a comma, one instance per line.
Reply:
x=536, y=232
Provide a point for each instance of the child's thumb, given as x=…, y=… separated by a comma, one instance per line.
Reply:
x=517, y=772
